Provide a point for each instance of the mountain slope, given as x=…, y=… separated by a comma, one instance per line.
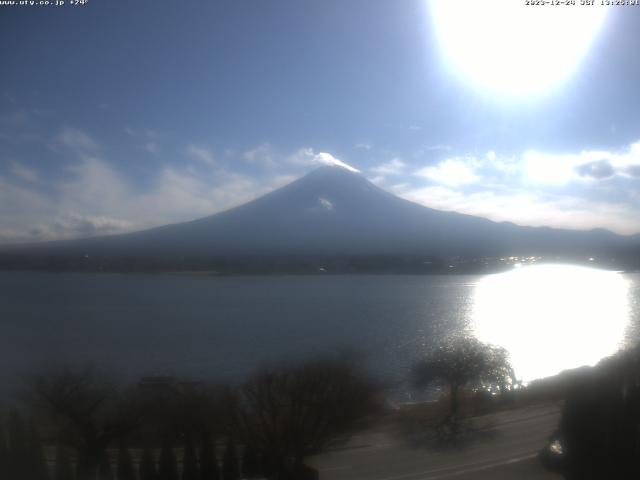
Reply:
x=332, y=211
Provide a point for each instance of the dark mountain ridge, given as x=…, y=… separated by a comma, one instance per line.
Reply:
x=332, y=212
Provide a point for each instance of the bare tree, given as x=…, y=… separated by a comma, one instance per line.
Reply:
x=125, y=464
x=167, y=463
x=230, y=470
x=189, y=461
x=147, y=468
x=289, y=413
x=63, y=469
x=88, y=410
x=208, y=461
x=460, y=362
x=180, y=409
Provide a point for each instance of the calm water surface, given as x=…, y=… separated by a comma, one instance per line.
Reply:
x=225, y=327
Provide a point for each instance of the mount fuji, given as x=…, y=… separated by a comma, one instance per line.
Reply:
x=333, y=212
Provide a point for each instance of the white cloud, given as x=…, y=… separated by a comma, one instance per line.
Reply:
x=530, y=208
x=201, y=153
x=76, y=140
x=393, y=167
x=152, y=147
x=363, y=146
x=261, y=155
x=586, y=189
x=77, y=226
x=302, y=157
x=534, y=168
x=149, y=139
x=437, y=147
x=25, y=173
x=633, y=171
x=378, y=180
x=326, y=204
x=22, y=208
x=561, y=169
x=96, y=199
x=452, y=171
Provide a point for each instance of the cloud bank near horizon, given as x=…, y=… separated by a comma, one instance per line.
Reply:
x=583, y=190
x=89, y=194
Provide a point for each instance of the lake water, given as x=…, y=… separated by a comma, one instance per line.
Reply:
x=224, y=327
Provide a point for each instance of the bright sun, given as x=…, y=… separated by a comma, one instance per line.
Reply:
x=509, y=48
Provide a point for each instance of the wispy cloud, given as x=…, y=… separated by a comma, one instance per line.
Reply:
x=262, y=155
x=94, y=198
x=575, y=190
x=76, y=140
x=452, y=171
x=560, y=169
x=86, y=193
x=201, y=153
x=23, y=172
x=393, y=167
x=633, y=171
x=363, y=146
x=16, y=118
x=152, y=147
x=437, y=147
x=147, y=139
x=530, y=208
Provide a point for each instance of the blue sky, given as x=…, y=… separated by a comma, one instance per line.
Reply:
x=121, y=115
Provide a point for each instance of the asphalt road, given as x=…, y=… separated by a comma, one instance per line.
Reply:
x=504, y=446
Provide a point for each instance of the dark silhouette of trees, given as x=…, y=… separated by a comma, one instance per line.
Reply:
x=208, y=462
x=168, y=467
x=181, y=409
x=37, y=463
x=290, y=413
x=599, y=430
x=88, y=409
x=125, y=470
x=464, y=362
x=230, y=470
x=251, y=467
x=276, y=419
x=4, y=451
x=189, y=461
x=147, y=467
x=105, y=472
x=63, y=469
x=21, y=451
x=18, y=461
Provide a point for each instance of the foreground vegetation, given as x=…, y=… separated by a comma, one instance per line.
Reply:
x=82, y=425
x=79, y=425
x=599, y=431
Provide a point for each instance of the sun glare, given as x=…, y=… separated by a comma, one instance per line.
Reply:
x=509, y=48
x=552, y=317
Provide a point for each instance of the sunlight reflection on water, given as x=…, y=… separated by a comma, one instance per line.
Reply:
x=552, y=317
